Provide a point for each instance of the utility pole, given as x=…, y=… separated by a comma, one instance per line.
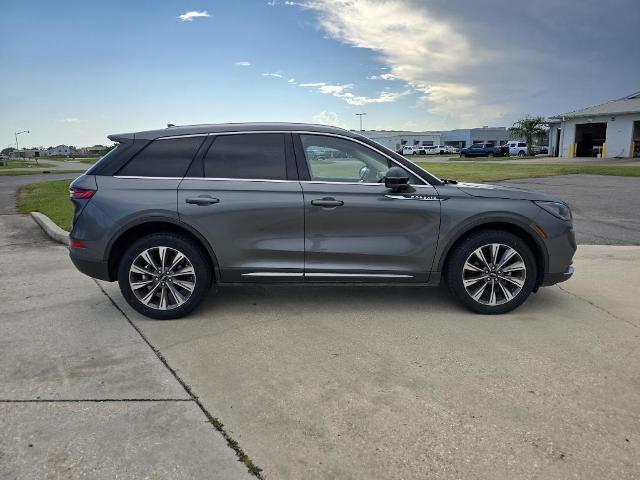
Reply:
x=16, y=135
x=360, y=115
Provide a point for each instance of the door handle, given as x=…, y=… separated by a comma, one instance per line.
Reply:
x=202, y=200
x=327, y=202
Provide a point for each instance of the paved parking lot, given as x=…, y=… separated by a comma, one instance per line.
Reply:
x=319, y=383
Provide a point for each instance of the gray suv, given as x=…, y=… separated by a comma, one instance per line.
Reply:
x=169, y=212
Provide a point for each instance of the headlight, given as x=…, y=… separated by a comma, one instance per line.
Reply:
x=557, y=209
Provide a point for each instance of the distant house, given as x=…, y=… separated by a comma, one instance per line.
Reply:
x=61, y=150
x=95, y=150
x=36, y=152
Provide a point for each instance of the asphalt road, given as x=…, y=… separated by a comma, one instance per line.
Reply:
x=606, y=209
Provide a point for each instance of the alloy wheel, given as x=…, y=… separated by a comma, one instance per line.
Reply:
x=162, y=278
x=494, y=274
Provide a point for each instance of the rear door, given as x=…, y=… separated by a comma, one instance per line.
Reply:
x=243, y=195
x=356, y=228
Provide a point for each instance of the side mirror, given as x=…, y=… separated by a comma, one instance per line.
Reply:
x=396, y=179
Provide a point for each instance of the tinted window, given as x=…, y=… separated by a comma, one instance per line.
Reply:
x=522, y=144
x=252, y=156
x=163, y=158
x=332, y=159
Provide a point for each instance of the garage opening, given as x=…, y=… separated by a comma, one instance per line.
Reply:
x=589, y=139
x=635, y=143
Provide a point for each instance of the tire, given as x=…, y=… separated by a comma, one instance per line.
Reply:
x=170, y=288
x=521, y=153
x=519, y=285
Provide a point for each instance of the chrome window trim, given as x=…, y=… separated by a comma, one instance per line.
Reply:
x=305, y=132
x=223, y=179
x=129, y=177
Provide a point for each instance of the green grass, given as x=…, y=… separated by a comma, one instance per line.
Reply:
x=50, y=198
x=491, y=172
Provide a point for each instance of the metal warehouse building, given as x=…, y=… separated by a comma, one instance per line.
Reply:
x=608, y=130
x=395, y=140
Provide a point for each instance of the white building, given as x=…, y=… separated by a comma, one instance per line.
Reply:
x=608, y=130
x=396, y=139
x=61, y=150
x=459, y=138
x=465, y=137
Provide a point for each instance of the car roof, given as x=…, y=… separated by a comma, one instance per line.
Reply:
x=207, y=128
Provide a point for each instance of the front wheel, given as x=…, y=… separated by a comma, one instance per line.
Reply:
x=164, y=276
x=491, y=272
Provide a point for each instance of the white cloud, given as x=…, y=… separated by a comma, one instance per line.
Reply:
x=70, y=120
x=384, y=76
x=275, y=74
x=189, y=16
x=343, y=91
x=292, y=81
x=430, y=54
x=243, y=64
x=328, y=118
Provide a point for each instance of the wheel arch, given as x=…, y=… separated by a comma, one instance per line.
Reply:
x=523, y=231
x=142, y=227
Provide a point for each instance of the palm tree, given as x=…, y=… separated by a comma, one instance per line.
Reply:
x=529, y=128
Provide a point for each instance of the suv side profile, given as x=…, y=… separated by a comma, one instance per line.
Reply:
x=169, y=212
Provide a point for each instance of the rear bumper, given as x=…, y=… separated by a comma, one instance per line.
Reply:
x=553, y=278
x=99, y=270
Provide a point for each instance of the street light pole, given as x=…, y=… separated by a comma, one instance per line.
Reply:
x=360, y=115
x=16, y=135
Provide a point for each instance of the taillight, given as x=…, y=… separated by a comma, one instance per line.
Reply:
x=76, y=243
x=81, y=193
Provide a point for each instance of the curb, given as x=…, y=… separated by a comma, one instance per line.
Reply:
x=50, y=228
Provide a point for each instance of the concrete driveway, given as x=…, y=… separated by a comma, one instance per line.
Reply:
x=370, y=382
x=399, y=383
x=82, y=395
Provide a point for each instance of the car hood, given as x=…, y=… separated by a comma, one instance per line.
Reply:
x=502, y=191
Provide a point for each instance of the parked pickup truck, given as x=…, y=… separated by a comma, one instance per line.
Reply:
x=484, y=150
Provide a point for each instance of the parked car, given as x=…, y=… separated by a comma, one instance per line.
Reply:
x=168, y=213
x=484, y=150
x=517, y=148
x=409, y=150
x=442, y=149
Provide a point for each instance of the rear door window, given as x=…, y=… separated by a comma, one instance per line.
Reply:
x=259, y=156
x=163, y=158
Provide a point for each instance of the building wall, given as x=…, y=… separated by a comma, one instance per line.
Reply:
x=468, y=136
x=619, y=134
x=396, y=141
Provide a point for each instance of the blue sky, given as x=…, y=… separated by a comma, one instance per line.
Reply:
x=77, y=71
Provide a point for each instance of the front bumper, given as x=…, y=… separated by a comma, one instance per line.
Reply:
x=553, y=278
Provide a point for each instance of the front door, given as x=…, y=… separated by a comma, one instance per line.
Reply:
x=355, y=228
x=246, y=200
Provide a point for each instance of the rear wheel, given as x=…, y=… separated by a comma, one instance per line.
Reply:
x=164, y=276
x=521, y=153
x=491, y=272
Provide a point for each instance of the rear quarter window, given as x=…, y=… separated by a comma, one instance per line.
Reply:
x=163, y=158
